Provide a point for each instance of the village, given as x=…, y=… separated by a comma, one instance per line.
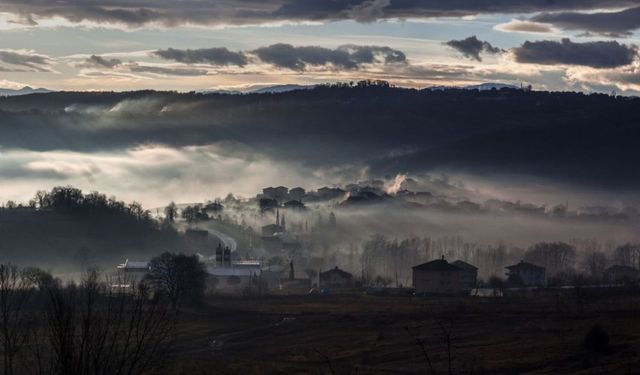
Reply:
x=279, y=262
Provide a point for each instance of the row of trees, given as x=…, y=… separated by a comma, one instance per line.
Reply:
x=71, y=199
x=91, y=328
x=99, y=326
x=382, y=258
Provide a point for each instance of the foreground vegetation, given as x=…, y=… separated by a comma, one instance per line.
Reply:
x=96, y=328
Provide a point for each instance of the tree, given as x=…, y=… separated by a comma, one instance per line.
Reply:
x=15, y=292
x=628, y=255
x=554, y=256
x=596, y=342
x=596, y=263
x=95, y=329
x=177, y=276
x=170, y=213
x=39, y=278
x=497, y=284
x=332, y=220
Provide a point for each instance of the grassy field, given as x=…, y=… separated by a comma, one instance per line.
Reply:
x=360, y=334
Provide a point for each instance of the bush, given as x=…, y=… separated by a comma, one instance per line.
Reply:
x=596, y=342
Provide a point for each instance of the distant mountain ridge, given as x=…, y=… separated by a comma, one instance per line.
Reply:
x=23, y=91
x=259, y=89
x=487, y=86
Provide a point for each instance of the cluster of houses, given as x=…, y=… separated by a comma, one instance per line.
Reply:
x=235, y=277
x=437, y=277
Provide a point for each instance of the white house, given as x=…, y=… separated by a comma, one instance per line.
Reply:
x=130, y=273
x=240, y=276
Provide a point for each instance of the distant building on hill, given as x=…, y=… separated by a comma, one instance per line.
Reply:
x=327, y=193
x=336, y=278
x=280, y=193
x=297, y=193
x=526, y=274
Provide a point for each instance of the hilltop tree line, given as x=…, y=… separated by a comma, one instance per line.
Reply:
x=70, y=230
x=72, y=200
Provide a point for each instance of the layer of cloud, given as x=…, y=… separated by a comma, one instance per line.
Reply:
x=26, y=59
x=621, y=23
x=233, y=12
x=212, y=56
x=345, y=57
x=166, y=173
x=101, y=62
x=165, y=71
x=601, y=54
x=520, y=26
x=472, y=47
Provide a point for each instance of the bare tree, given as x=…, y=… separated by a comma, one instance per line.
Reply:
x=596, y=263
x=556, y=257
x=170, y=213
x=179, y=277
x=628, y=255
x=96, y=329
x=15, y=291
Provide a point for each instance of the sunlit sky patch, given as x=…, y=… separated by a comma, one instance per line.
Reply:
x=68, y=41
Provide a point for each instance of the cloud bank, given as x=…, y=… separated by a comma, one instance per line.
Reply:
x=241, y=12
x=472, y=47
x=599, y=54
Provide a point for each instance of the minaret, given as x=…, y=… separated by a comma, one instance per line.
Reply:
x=277, y=217
x=282, y=223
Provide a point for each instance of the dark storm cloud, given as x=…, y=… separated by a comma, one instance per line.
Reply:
x=26, y=59
x=213, y=56
x=472, y=47
x=620, y=23
x=135, y=13
x=346, y=57
x=609, y=54
x=99, y=61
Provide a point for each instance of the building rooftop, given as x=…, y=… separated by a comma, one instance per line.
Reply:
x=133, y=265
x=437, y=265
x=233, y=271
x=525, y=266
x=464, y=265
x=335, y=270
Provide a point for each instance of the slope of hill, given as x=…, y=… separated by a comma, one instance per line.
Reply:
x=71, y=231
x=568, y=137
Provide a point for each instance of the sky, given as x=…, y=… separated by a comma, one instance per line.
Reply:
x=193, y=45
x=186, y=45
